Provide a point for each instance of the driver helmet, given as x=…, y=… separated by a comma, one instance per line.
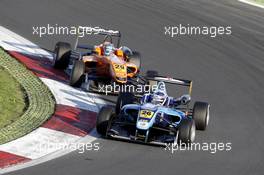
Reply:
x=158, y=98
x=108, y=48
x=160, y=95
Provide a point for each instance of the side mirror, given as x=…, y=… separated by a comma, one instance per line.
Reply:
x=185, y=99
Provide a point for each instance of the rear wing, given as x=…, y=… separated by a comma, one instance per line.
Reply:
x=97, y=31
x=176, y=81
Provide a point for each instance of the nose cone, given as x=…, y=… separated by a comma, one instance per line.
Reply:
x=120, y=71
x=143, y=124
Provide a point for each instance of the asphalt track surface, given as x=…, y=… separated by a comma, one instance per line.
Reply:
x=228, y=72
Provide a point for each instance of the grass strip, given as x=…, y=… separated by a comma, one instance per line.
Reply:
x=261, y=2
x=13, y=102
x=41, y=103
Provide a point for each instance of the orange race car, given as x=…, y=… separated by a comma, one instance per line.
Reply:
x=88, y=66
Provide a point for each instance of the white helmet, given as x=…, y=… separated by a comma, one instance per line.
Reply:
x=160, y=95
x=108, y=48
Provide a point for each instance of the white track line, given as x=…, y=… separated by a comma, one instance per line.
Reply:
x=39, y=143
x=14, y=42
x=252, y=3
x=70, y=96
x=87, y=139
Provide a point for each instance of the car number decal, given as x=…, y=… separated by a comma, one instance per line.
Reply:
x=119, y=66
x=146, y=114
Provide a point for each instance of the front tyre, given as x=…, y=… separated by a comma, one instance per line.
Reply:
x=201, y=115
x=152, y=73
x=187, y=131
x=77, y=73
x=62, y=54
x=135, y=58
x=124, y=98
x=103, y=119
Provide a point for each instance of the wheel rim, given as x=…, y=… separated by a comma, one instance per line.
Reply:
x=120, y=105
x=146, y=137
x=207, y=116
x=176, y=138
x=192, y=133
x=54, y=57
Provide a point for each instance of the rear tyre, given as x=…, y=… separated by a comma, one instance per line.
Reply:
x=135, y=58
x=187, y=131
x=152, y=73
x=62, y=54
x=77, y=73
x=124, y=98
x=103, y=119
x=201, y=115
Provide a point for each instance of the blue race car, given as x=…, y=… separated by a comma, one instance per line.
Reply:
x=155, y=117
